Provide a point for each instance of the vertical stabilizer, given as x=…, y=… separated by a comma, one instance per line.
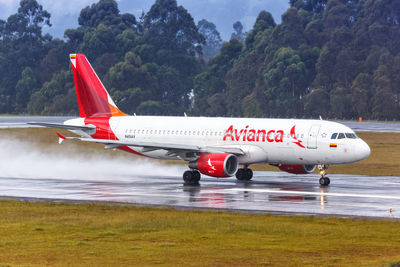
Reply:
x=93, y=98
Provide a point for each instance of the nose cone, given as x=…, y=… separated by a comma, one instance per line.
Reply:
x=363, y=150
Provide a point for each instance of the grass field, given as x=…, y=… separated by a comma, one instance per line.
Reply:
x=39, y=234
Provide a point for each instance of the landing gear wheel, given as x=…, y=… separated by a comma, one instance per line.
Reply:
x=191, y=177
x=240, y=174
x=188, y=177
x=324, y=181
x=244, y=174
x=249, y=174
x=196, y=176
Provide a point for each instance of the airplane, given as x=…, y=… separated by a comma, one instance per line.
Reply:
x=212, y=146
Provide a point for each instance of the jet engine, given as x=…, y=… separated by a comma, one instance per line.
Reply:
x=216, y=165
x=297, y=169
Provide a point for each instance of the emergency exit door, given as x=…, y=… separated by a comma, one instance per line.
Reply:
x=313, y=136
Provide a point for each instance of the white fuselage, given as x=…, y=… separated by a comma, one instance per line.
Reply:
x=274, y=141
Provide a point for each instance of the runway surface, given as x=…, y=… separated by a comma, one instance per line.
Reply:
x=20, y=122
x=269, y=192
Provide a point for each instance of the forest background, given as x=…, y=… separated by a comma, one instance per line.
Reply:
x=335, y=58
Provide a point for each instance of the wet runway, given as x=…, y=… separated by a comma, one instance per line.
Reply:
x=269, y=192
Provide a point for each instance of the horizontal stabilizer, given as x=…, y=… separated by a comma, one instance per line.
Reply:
x=63, y=126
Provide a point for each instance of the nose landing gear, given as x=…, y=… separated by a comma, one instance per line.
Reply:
x=324, y=181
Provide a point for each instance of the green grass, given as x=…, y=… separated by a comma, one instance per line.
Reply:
x=38, y=234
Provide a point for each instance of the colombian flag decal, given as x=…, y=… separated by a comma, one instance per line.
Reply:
x=73, y=56
x=333, y=145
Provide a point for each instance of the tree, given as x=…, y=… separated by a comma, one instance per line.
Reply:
x=170, y=27
x=213, y=41
x=211, y=81
x=340, y=100
x=106, y=12
x=290, y=32
x=384, y=105
x=361, y=95
x=24, y=88
x=22, y=45
x=238, y=33
x=59, y=87
x=286, y=74
x=27, y=22
x=317, y=103
x=263, y=22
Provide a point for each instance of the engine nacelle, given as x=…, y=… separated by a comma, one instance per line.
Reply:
x=216, y=165
x=297, y=169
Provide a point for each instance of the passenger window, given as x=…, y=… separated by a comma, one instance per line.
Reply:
x=341, y=136
x=334, y=136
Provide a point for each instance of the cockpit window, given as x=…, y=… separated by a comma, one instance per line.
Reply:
x=341, y=136
x=334, y=136
x=351, y=135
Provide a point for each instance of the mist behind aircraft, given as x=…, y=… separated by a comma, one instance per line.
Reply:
x=28, y=160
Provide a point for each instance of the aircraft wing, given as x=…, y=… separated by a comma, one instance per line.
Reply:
x=151, y=146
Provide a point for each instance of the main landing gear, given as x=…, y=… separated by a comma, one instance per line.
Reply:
x=244, y=174
x=191, y=177
x=322, y=170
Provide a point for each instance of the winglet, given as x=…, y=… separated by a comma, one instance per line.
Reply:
x=61, y=138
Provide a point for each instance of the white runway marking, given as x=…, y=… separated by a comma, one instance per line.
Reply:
x=288, y=192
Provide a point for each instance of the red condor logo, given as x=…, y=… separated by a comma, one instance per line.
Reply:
x=253, y=135
x=293, y=135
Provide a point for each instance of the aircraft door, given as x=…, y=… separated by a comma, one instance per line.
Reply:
x=312, y=136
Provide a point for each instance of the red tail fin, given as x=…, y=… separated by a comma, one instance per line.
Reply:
x=93, y=98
